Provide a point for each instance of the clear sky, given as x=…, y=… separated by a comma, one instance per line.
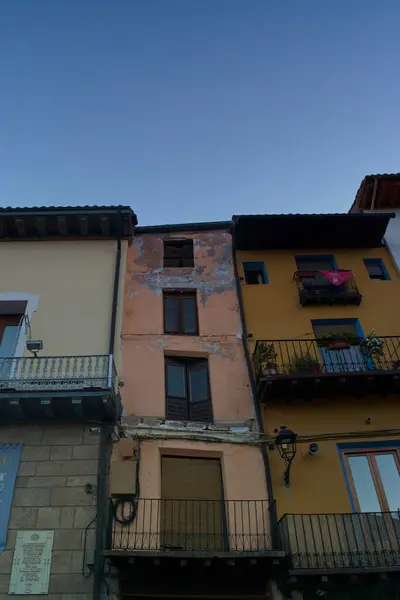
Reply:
x=194, y=110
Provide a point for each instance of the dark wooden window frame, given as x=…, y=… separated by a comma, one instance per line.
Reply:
x=200, y=411
x=181, y=295
x=370, y=455
x=176, y=262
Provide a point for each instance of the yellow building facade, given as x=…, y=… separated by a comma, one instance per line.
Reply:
x=339, y=394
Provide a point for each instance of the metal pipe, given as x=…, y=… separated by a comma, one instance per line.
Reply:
x=268, y=478
x=102, y=508
x=115, y=298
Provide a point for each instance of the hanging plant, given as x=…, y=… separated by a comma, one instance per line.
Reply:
x=268, y=358
x=339, y=341
x=372, y=345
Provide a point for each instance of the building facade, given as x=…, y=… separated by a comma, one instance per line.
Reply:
x=196, y=519
x=321, y=320
x=381, y=193
x=61, y=295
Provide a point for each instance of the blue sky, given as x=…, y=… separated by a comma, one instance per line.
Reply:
x=194, y=110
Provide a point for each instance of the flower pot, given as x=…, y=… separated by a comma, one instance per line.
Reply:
x=339, y=346
x=270, y=368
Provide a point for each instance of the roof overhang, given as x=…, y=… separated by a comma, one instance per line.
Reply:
x=378, y=192
x=86, y=222
x=279, y=232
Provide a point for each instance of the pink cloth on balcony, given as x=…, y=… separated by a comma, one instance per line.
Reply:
x=337, y=277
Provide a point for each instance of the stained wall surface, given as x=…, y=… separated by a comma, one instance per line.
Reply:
x=145, y=345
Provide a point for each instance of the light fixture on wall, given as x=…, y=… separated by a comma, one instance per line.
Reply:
x=34, y=346
x=285, y=441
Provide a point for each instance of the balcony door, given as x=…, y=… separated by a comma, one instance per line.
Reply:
x=374, y=480
x=344, y=360
x=192, y=506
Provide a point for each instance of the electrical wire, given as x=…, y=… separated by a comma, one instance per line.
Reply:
x=84, y=572
x=118, y=506
x=339, y=435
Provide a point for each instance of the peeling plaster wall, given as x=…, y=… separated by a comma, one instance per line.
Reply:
x=143, y=339
x=242, y=469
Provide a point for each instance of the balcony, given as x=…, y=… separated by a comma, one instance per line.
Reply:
x=341, y=542
x=191, y=526
x=193, y=546
x=314, y=288
x=80, y=388
x=326, y=368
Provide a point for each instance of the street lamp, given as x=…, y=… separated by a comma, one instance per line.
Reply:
x=286, y=443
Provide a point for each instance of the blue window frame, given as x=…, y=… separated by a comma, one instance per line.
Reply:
x=315, y=262
x=255, y=273
x=376, y=269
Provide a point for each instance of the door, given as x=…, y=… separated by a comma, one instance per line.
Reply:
x=192, y=506
x=374, y=478
x=346, y=360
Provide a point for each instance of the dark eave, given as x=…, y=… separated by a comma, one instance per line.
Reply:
x=71, y=222
x=185, y=227
x=378, y=192
x=279, y=232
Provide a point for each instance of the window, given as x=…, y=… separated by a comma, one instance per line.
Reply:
x=316, y=262
x=375, y=480
x=187, y=390
x=376, y=268
x=178, y=253
x=255, y=273
x=180, y=313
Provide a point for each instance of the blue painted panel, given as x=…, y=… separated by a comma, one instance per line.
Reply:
x=9, y=340
x=10, y=455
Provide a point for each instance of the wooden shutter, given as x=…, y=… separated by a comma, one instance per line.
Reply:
x=192, y=510
x=176, y=390
x=200, y=408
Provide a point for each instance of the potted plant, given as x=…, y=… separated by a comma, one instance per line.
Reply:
x=306, y=364
x=339, y=341
x=372, y=345
x=268, y=359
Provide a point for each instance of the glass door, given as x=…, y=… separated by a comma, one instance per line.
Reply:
x=374, y=479
x=345, y=359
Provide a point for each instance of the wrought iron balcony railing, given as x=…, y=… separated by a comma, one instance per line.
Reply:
x=274, y=358
x=194, y=526
x=57, y=373
x=338, y=541
x=315, y=288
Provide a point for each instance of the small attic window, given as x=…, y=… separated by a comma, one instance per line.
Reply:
x=178, y=253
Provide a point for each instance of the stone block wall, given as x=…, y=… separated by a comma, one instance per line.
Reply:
x=57, y=462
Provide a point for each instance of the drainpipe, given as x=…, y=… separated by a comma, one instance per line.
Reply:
x=102, y=509
x=271, y=501
x=115, y=298
x=104, y=448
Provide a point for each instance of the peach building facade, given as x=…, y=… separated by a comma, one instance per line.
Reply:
x=187, y=398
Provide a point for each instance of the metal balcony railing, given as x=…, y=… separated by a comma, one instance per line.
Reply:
x=337, y=541
x=314, y=288
x=275, y=358
x=58, y=373
x=193, y=526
